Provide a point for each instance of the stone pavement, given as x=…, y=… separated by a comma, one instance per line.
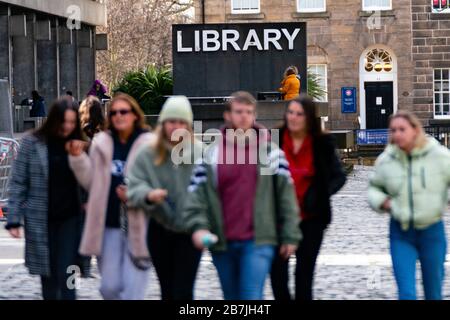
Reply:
x=354, y=262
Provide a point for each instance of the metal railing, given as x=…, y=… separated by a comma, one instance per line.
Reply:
x=8, y=153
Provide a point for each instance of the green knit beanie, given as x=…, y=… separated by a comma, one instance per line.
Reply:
x=176, y=108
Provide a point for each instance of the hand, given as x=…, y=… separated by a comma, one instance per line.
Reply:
x=75, y=147
x=286, y=250
x=15, y=233
x=157, y=196
x=386, y=206
x=121, y=192
x=197, y=238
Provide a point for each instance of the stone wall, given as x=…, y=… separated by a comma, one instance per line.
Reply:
x=337, y=37
x=431, y=49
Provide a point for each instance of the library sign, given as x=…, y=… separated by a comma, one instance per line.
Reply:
x=213, y=60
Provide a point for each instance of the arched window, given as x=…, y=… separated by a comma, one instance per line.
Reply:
x=378, y=60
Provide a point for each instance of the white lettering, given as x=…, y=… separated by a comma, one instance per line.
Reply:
x=290, y=38
x=252, y=40
x=274, y=40
x=214, y=40
x=180, y=47
x=197, y=41
x=207, y=40
x=233, y=41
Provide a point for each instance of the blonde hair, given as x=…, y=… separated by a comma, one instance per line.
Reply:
x=161, y=152
x=413, y=120
x=290, y=70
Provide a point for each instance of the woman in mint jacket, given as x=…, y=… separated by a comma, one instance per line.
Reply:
x=410, y=182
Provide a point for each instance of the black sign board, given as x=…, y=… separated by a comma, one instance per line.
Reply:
x=214, y=60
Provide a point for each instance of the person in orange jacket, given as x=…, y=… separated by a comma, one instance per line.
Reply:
x=290, y=86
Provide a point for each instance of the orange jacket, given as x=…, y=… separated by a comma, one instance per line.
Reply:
x=290, y=87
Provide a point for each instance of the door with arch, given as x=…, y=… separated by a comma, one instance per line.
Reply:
x=378, y=87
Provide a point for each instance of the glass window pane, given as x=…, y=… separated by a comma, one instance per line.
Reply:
x=446, y=109
x=311, y=4
x=437, y=98
x=445, y=74
x=445, y=86
x=437, y=86
x=445, y=98
x=376, y=3
x=437, y=74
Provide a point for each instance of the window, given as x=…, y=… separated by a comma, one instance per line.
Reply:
x=440, y=6
x=245, y=6
x=311, y=5
x=320, y=71
x=442, y=93
x=377, y=5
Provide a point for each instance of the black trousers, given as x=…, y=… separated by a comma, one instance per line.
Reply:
x=176, y=261
x=306, y=254
x=63, y=244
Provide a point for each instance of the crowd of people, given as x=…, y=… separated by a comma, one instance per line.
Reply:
x=136, y=198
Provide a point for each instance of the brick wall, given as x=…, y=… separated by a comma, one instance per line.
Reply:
x=340, y=36
x=431, y=49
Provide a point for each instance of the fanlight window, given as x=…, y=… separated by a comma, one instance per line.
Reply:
x=378, y=60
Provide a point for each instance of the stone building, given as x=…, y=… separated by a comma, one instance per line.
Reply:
x=49, y=46
x=431, y=55
x=389, y=50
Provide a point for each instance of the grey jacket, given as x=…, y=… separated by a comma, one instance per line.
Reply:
x=28, y=202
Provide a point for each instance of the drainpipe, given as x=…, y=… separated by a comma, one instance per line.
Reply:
x=203, y=12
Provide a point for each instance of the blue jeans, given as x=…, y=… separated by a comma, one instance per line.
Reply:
x=243, y=269
x=429, y=246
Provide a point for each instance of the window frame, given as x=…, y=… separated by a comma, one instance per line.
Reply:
x=246, y=11
x=300, y=10
x=364, y=8
x=325, y=99
x=440, y=92
x=446, y=10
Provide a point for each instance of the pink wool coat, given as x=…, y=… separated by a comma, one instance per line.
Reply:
x=93, y=172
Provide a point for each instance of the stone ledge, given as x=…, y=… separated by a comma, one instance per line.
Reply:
x=440, y=16
x=311, y=15
x=383, y=13
x=246, y=16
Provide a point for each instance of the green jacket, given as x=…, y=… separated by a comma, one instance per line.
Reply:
x=145, y=175
x=276, y=212
x=417, y=184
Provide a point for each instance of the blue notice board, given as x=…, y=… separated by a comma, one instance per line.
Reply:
x=348, y=100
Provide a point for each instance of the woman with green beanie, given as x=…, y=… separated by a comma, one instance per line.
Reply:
x=410, y=183
x=157, y=183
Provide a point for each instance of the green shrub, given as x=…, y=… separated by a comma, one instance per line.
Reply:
x=314, y=88
x=148, y=87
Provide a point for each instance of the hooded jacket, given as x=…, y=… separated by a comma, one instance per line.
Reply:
x=416, y=184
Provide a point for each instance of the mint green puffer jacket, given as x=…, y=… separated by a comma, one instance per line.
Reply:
x=416, y=184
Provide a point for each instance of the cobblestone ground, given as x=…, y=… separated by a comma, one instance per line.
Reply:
x=354, y=262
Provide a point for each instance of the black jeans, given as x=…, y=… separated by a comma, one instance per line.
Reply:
x=176, y=261
x=306, y=254
x=63, y=244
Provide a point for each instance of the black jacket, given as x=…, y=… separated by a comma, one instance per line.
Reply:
x=329, y=178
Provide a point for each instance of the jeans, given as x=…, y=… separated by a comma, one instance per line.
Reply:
x=176, y=262
x=121, y=280
x=243, y=269
x=429, y=246
x=306, y=255
x=63, y=249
